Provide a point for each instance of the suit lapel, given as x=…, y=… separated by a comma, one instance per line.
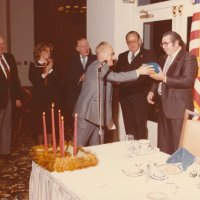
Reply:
x=173, y=66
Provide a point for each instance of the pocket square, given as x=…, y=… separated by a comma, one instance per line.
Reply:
x=155, y=66
x=183, y=156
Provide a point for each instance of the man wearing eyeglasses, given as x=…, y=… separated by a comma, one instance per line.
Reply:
x=174, y=88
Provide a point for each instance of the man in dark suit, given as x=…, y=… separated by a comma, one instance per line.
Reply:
x=73, y=75
x=10, y=90
x=132, y=95
x=174, y=89
x=94, y=104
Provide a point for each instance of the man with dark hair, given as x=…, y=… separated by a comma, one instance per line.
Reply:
x=10, y=94
x=132, y=95
x=174, y=87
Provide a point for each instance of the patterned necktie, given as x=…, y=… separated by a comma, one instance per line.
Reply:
x=132, y=57
x=84, y=61
x=5, y=68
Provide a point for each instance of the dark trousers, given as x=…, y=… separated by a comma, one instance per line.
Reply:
x=169, y=132
x=135, y=115
x=6, y=128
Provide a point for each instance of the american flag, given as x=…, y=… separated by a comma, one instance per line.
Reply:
x=194, y=49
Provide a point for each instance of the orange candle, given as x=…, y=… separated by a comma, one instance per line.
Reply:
x=62, y=147
x=44, y=130
x=75, y=135
x=53, y=129
x=59, y=124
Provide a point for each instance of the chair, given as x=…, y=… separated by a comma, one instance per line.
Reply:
x=190, y=135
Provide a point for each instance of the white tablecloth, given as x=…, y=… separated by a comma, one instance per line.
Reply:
x=107, y=182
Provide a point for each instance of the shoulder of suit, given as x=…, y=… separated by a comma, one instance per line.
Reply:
x=123, y=54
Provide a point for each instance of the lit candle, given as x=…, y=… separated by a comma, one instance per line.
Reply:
x=75, y=134
x=62, y=147
x=53, y=129
x=59, y=124
x=45, y=131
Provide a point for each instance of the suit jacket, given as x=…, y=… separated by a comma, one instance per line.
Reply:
x=72, y=75
x=87, y=103
x=177, y=93
x=14, y=85
x=142, y=84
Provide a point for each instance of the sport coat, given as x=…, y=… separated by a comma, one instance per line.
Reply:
x=177, y=92
x=14, y=84
x=87, y=104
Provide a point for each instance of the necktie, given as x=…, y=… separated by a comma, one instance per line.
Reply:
x=132, y=57
x=165, y=69
x=84, y=61
x=6, y=69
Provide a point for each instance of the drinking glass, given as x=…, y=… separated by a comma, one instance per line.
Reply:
x=129, y=139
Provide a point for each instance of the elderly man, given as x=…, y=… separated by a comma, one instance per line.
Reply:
x=10, y=90
x=174, y=89
x=94, y=105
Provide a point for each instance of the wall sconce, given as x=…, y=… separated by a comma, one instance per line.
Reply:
x=180, y=10
x=145, y=15
x=177, y=10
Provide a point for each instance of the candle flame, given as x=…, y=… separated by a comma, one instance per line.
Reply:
x=62, y=118
x=43, y=113
x=75, y=115
x=59, y=111
x=52, y=105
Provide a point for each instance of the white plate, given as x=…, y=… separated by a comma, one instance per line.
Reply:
x=157, y=196
x=134, y=173
x=158, y=176
x=170, y=169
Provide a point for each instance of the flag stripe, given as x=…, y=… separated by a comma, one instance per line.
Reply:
x=196, y=16
x=194, y=49
x=195, y=34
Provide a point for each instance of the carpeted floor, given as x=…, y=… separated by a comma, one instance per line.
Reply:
x=15, y=171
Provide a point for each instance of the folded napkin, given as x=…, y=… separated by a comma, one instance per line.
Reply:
x=183, y=156
x=155, y=66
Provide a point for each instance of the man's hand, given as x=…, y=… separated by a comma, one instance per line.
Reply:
x=159, y=77
x=18, y=104
x=145, y=70
x=81, y=78
x=150, y=97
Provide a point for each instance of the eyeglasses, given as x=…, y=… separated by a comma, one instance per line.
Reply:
x=164, y=44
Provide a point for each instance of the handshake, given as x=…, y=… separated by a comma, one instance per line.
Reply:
x=149, y=69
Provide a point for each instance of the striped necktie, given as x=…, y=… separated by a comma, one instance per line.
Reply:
x=8, y=75
x=132, y=57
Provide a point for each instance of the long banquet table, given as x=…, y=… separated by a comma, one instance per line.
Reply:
x=107, y=182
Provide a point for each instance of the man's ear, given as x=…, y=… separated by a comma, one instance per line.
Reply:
x=77, y=49
x=140, y=42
